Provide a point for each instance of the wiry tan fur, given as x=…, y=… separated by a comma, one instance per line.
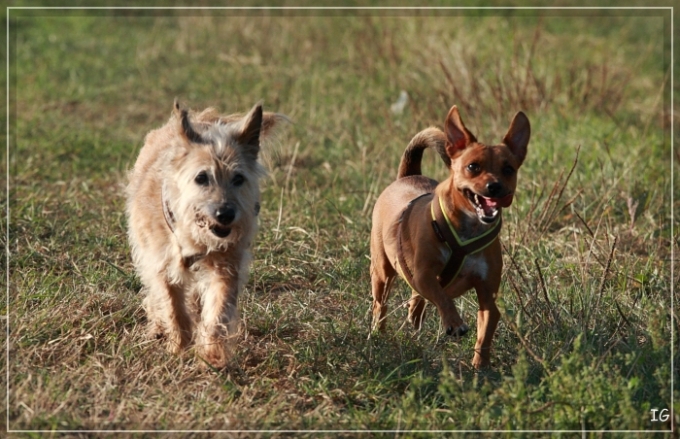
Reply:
x=191, y=275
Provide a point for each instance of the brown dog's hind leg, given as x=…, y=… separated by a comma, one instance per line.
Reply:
x=381, y=292
x=416, y=310
x=382, y=278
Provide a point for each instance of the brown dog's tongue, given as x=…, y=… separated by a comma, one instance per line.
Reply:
x=499, y=202
x=506, y=201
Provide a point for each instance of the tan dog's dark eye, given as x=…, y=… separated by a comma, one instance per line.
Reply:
x=474, y=168
x=238, y=180
x=508, y=170
x=202, y=179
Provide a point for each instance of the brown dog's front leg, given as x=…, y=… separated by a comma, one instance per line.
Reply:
x=452, y=323
x=487, y=320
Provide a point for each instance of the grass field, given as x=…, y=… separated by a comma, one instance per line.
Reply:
x=585, y=337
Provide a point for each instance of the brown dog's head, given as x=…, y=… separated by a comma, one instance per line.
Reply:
x=485, y=177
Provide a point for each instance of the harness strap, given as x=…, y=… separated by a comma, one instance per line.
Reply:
x=459, y=249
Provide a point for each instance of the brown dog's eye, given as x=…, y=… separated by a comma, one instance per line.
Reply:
x=238, y=180
x=508, y=170
x=202, y=179
x=474, y=168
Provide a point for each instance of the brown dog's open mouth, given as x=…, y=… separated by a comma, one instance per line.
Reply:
x=220, y=232
x=487, y=208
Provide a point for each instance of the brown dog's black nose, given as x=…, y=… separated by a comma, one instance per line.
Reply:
x=494, y=189
x=225, y=214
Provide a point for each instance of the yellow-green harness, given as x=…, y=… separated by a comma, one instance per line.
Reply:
x=446, y=234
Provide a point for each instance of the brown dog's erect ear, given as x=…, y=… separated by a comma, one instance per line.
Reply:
x=185, y=125
x=457, y=136
x=517, y=137
x=250, y=133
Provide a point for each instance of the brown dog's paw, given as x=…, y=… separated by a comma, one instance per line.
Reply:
x=459, y=331
x=479, y=362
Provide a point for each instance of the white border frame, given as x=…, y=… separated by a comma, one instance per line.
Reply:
x=341, y=8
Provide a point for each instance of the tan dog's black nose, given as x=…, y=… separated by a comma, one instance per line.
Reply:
x=225, y=214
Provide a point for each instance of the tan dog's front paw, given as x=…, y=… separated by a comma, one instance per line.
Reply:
x=215, y=353
x=178, y=340
x=154, y=331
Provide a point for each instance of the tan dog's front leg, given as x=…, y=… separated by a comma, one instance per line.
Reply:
x=219, y=317
x=487, y=320
x=166, y=308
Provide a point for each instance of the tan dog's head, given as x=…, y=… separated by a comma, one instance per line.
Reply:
x=212, y=181
x=485, y=177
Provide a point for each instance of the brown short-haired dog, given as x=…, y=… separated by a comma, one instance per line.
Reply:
x=192, y=204
x=443, y=237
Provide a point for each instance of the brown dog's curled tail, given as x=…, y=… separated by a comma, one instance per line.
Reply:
x=428, y=138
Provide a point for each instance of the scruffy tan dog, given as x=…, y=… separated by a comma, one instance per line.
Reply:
x=442, y=238
x=192, y=205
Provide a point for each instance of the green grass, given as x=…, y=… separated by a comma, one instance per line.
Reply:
x=585, y=337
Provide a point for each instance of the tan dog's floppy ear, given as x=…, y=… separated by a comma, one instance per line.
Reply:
x=250, y=133
x=186, y=129
x=517, y=137
x=457, y=136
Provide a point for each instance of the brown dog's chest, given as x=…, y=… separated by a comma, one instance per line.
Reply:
x=461, y=258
